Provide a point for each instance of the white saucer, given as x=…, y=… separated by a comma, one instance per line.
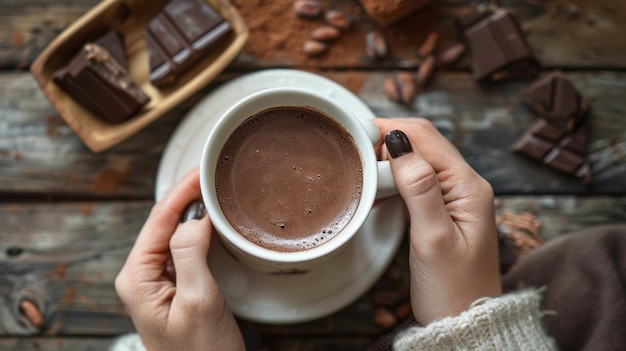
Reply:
x=286, y=298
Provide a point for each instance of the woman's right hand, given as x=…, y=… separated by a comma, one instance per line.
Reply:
x=453, y=237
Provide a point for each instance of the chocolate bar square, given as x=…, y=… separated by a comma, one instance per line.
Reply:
x=555, y=99
x=497, y=47
x=97, y=81
x=557, y=148
x=180, y=35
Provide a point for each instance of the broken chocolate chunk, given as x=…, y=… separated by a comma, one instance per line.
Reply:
x=497, y=47
x=180, y=35
x=557, y=148
x=100, y=83
x=113, y=42
x=555, y=99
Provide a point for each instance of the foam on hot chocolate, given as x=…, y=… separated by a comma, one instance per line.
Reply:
x=289, y=179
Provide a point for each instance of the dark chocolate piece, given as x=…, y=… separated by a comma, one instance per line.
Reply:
x=556, y=99
x=180, y=35
x=553, y=146
x=97, y=81
x=113, y=42
x=497, y=46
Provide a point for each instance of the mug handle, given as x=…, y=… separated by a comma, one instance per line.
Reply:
x=386, y=184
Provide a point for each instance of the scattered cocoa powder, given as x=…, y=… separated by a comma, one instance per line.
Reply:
x=389, y=11
x=277, y=33
x=53, y=122
x=60, y=270
x=17, y=39
x=121, y=311
x=108, y=181
x=70, y=292
x=86, y=209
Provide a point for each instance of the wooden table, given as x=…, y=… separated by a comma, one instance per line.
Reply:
x=68, y=217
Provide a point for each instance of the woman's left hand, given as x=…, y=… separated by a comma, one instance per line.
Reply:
x=166, y=285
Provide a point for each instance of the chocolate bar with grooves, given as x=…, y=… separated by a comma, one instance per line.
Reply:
x=557, y=148
x=180, y=35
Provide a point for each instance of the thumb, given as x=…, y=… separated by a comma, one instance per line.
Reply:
x=189, y=247
x=418, y=185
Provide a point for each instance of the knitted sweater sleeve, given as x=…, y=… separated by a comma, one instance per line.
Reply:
x=509, y=322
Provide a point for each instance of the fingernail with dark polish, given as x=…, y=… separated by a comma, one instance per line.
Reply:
x=397, y=143
x=195, y=210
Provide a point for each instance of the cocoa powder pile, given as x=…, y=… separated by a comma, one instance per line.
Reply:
x=277, y=33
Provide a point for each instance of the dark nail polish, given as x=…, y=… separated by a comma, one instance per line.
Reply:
x=397, y=143
x=195, y=210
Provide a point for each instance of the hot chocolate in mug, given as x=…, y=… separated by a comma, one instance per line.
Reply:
x=289, y=176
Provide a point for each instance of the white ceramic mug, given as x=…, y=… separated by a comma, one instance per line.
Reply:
x=377, y=178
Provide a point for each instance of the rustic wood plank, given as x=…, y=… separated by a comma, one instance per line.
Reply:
x=39, y=146
x=39, y=153
x=258, y=343
x=64, y=257
x=587, y=35
x=61, y=343
x=67, y=255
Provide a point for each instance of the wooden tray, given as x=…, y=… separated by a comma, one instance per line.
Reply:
x=130, y=17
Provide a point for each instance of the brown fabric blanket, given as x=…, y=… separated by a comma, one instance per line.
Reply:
x=584, y=274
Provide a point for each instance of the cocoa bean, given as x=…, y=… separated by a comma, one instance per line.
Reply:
x=425, y=71
x=452, y=54
x=406, y=86
x=31, y=312
x=314, y=47
x=393, y=274
x=391, y=89
x=400, y=89
x=403, y=310
x=429, y=44
x=325, y=33
x=385, y=298
x=375, y=45
x=339, y=20
x=307, y=8
x=385, y=318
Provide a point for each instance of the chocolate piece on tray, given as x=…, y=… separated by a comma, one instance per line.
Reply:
x=557, y=148
x=113, y=42
x=497, y=46
x=97, y=81
x=555, y=99
x=180, y=35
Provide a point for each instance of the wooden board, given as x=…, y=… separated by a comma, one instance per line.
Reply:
x=39, y=154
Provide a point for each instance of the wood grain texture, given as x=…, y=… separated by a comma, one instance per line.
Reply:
x=68, y=255
x=589, y=35
x=69, y=217
x=39, y=154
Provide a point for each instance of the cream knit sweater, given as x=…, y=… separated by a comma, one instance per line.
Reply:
x=510, y=322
